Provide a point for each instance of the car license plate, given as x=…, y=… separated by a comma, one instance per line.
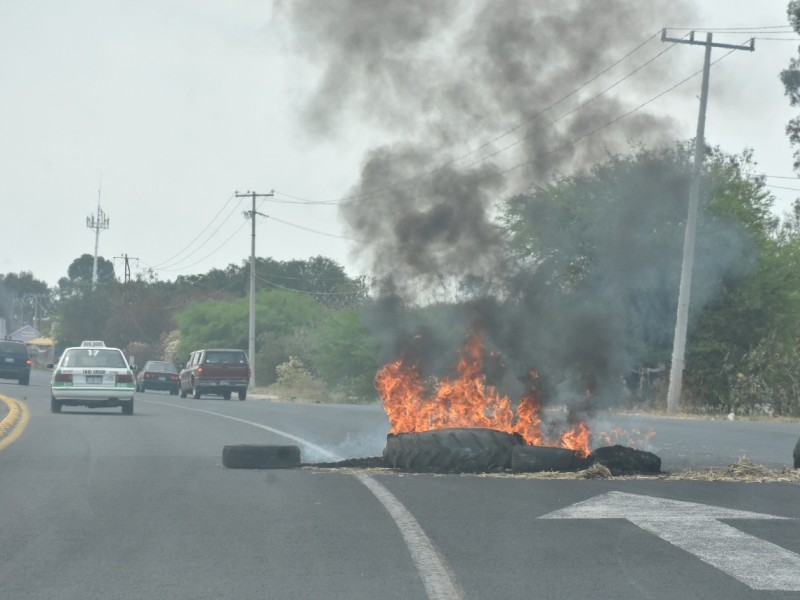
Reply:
x=224, y=382
x=9, y=359
x=162, y=378
x=94, y=379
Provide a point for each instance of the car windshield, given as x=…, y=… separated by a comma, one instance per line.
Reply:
x=160, y=366
x=107, y=358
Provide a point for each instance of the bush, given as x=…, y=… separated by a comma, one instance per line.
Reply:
x=767, y=381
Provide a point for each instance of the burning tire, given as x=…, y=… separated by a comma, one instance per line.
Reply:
x=463, y=450
x=248, y=456
x=796, y=455
x=621, y=460
x=531, y=459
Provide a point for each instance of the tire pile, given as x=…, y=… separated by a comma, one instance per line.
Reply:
x=475, y=450
x=458, y=450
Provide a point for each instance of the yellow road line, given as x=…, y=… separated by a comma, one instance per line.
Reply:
x=14, y=423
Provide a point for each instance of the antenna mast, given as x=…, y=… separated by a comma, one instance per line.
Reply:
x=98, y=223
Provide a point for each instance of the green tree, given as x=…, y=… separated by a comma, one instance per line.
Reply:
x=345, y=353
x=791, y=83
x=225, y=323
x=322, y=278
x=606, y=248
x=22, y=298
x=82, y=317
x=80, y=273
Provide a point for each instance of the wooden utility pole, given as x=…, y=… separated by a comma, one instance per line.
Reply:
x=127, y=266
x=251, y=345
x=682, y=319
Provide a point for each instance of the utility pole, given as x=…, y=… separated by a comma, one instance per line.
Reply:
x=127, y=264
x=98, y=223
x=684, y=292
x=251, y=214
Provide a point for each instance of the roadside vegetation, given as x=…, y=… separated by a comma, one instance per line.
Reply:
x=611, y=234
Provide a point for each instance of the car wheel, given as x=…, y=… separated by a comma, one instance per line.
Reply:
x=55, y=405
x=242, y=394
x=25, y=380
x=127, y=408
x=183, y=393
x=195, y=392
x=141, y=388
x=226, y=395
x=173, y=392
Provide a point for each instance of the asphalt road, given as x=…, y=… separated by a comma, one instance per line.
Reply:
x=94, y=505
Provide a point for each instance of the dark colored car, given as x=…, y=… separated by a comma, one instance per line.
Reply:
x=158, y=375
x=15, y=361
x=219, y=372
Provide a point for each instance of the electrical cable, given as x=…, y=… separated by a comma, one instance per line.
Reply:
x=197, y=236
x=384, y=190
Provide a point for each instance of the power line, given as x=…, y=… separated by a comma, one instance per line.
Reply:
x=212, y=253
x=276, y=285
x=175, y=265
x=202, y=231
x=780, y=187
x=333, y=235
x=580, y=106
x=386, y=189
x=731, y=29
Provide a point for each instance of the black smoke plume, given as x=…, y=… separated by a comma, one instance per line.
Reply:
x=444, y=79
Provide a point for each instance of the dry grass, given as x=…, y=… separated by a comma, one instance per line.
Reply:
x=742, y=470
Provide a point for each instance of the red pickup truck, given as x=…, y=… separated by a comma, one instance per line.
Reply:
x=216, y=371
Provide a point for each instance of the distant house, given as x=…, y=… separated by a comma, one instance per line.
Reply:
x=41, y=348
x=23, y=334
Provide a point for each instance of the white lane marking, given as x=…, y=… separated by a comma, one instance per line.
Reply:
x=696, y=528
x=438, y=579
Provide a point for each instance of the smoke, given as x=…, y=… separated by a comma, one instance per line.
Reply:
x=443, y=79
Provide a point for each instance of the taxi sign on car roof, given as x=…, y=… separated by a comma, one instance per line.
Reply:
x=93, y=344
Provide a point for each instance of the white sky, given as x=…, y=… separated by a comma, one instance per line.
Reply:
x=175, y=104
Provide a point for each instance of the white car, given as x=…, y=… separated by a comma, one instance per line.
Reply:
x=92, y=375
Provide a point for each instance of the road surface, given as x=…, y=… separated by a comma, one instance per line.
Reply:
x=95, y=505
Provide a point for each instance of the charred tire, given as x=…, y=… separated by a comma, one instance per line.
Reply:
x=183, y=393
x=127, y=408
x=621, y=460
x=459, y=450
x=531, y=459
x=226, y=395
x=55, y=405
x=796, y=455
x=248, y=456
x=242, y=394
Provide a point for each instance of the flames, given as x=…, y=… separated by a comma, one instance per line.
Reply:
x=466, y=400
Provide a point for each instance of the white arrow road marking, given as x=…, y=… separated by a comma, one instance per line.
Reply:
x=696, y=528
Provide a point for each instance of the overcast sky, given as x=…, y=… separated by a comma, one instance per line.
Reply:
x=175, y=104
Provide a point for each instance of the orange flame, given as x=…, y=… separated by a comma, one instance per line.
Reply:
x=466, y=401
